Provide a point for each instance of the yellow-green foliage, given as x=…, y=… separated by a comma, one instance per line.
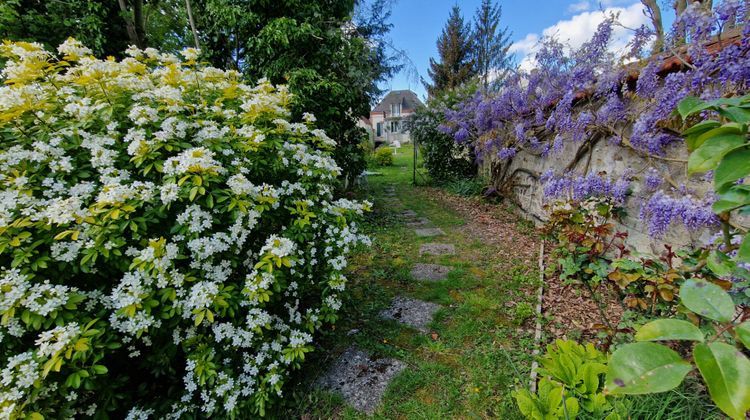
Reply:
x=384, y=156
x=169, y=241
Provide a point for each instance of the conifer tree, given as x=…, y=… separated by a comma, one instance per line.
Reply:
x=455, y=49
x=491, y=44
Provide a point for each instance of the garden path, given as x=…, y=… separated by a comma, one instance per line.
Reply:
x=440, y=318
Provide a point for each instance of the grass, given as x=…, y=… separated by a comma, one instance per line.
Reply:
x=477, y=354
x=686, y=402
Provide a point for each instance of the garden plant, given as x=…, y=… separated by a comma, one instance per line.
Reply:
x=169, y=239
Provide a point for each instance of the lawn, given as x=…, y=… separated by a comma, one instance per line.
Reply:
x=479, y=346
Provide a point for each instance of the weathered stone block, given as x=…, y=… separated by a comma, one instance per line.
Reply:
x=412, y=312
x=360, y=379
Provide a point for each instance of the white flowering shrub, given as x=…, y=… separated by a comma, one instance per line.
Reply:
x=169, y=242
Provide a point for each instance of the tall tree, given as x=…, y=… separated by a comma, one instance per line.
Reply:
x=456, y=65
x=491, y=44
x=653, y=12
x=331, y=62
x=105, y=26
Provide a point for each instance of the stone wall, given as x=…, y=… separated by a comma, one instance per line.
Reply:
x=613, y=160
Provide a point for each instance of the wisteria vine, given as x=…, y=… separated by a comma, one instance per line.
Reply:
x=590, y=94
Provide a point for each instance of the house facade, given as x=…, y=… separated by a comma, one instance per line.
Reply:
x=387, y=119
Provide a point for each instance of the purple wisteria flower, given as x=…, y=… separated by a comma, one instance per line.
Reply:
x=653, y=180
x=580, y=187
x=506, y=153
x=662, y=210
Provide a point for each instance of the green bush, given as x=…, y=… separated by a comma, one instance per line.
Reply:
x=169, y=241
x=383, y=156
x=571, y=384
x=444, y=159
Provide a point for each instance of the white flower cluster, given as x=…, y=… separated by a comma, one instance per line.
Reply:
x=153, y=206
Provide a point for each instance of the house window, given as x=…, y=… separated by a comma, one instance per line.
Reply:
x=396, y=110
x=394, y=127
x=379, y=129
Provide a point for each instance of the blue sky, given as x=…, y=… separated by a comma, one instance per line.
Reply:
x=418, y=23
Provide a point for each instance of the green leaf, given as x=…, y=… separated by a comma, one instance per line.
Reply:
x=644, y=368
x=744, y=252
x=743, y=333
x=735, y=165
x=669, y=329
x=697, y=140
x=589, y=374
x=726, y=372
x=707, y=300
x=99, y=369
x=693, y=133
x=720, y=264
x=710, y=153
x=691, y=105
x=738, y=115
x=734, y=198
x=701, y=127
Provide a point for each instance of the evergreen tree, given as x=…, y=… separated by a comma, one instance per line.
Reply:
x=491, y=44
x=455, y=48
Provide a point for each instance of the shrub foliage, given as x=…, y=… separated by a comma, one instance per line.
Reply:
x=169, y=241
x=383, y=156
x=444, y=158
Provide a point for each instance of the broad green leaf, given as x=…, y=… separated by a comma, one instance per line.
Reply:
x=571, y=408
x=697, y=140
x=701, y=127
x=644, y=368
x=726, y=372
x=691, y=105
x=589, y=374
x=709, y=154
x=707, y=300
x=738, y=115
x=735, y=165
x=693, y=133
x=743, y=333
x=669, y=329
x=744, y=252
x=734, y=197
x=526, y=404
x=720, y=264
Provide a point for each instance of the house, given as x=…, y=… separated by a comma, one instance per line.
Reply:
x=387, y=119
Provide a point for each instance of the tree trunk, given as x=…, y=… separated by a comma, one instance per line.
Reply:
x=654, y=12
x=192, y=23
x=129, y=25
x=140, y=23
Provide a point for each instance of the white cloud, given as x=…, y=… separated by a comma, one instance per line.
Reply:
x=524, y=46
x=578, y=29
x=579, y=6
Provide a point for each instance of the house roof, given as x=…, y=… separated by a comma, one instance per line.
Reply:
x=408, y=100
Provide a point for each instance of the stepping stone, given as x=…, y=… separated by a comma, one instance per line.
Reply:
x=419, y=223
x=408, y=213
x=412, y=312
x=428, y=232
x=360, y=379
x=437, y=249
x=430, y=272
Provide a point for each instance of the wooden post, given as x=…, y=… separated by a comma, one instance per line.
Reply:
x=414, y=165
